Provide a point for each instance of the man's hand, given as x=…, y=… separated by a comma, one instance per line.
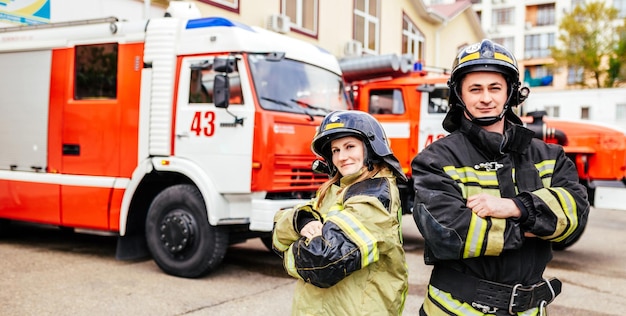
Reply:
x=485, y=205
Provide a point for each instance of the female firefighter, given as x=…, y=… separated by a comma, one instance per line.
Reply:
x=345, y=246
x=490, y=198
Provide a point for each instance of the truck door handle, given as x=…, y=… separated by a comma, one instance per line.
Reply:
x=71, y=149
x=181, y=135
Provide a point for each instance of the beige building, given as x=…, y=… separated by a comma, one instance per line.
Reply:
x=346, y=28
x=362, y=27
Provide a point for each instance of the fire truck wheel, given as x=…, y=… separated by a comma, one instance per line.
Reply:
x=5, y=225
x=267, y=242
x=179, y=236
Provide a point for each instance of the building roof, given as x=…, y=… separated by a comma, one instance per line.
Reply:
x=426, y=13
x=452, y=10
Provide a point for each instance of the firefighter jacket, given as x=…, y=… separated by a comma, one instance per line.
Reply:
x=357, y=266
x=540, y=179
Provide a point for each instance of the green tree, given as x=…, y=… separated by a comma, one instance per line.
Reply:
x=617, y=62
x=592, y=41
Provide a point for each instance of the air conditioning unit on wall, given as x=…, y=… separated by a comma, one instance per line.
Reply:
x=353, y=48
x=279, y=23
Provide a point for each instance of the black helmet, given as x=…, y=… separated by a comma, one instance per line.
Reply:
x=359, y=124
x=484, y=56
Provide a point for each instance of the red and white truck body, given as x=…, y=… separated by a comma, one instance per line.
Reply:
x=115, y=126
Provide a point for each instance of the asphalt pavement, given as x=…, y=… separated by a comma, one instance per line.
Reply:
x=55, y=272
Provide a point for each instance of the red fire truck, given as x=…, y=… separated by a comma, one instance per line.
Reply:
x=411, y=103
x=180, y=136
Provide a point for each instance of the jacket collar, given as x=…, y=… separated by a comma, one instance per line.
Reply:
x=348, y=180
x=516, y=138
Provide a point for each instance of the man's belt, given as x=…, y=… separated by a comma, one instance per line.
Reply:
x=488, y=296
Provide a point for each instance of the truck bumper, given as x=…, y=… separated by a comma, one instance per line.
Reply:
x=610, y=195
x=262, y=217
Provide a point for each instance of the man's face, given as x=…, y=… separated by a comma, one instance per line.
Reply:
x=484, y=93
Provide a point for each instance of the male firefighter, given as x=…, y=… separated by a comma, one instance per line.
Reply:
x=490, y=199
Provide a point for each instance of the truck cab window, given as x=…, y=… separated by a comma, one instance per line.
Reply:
x=201, y=85
x=438, y=100
x=387, y=101
x=95, y=71
x=198, y=92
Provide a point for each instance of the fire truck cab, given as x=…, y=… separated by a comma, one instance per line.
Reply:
x=180, y=136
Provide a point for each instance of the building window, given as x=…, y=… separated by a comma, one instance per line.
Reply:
x=232, y=5
x=545, y=14
x=95, y=71
x=538, y=45
x=228, y=5
x=412, y=39
x=574, y=75
x=508, y=42
x=584, y=113
x=538, y=76
x=552, y=110
x=620, y=112
x=302, y=14
x=367, y=24
x=505, y=16
x=620, y=5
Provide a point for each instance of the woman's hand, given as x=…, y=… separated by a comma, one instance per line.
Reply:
x=312, y=229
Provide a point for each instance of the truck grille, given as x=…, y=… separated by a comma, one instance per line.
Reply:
x=294, y=172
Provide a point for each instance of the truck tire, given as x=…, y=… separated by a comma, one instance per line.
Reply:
x=267, y=242
x=179, y=236
x=5, y=226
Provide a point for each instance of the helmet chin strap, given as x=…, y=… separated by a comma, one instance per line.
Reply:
x=370, y=159
x=487, y=120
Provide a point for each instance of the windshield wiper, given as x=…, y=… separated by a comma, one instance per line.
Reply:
x=310, y=106
x=283, y=103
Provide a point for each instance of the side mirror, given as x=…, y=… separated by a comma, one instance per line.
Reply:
x=224, y=64
x=221, y=91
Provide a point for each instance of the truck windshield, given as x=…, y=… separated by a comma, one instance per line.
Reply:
x=292, y=86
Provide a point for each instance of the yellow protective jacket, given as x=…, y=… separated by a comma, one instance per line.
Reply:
x=357, y=266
